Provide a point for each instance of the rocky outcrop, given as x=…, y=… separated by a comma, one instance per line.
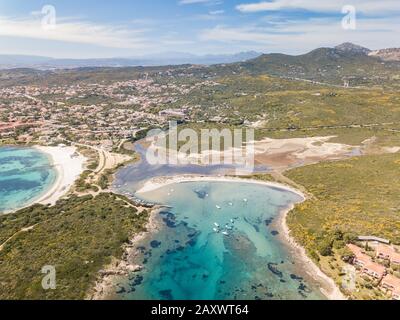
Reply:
x=391, y=54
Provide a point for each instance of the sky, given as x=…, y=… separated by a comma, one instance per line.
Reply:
x=132, y=28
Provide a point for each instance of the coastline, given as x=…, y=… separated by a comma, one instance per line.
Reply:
x=159, y=182
x=107, y=279
x=68, y=167
x=328, y=286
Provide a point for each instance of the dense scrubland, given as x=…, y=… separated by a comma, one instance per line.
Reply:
x=78, y=236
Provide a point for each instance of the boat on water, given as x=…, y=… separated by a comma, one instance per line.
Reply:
x=218, y=207
x=225, y=233
x=231, y=204
x=216, y=224
x=245, y=200
x=216, y=230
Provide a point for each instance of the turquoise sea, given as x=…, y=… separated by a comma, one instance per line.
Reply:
x=25, y=175
x=217, y=240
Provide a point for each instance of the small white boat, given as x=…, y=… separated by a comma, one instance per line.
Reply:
x=232, y=221
x=225, y=233
x=231, y=204
x=216, y=230
x=245, y=200
x=216, y=224
x=218, y=207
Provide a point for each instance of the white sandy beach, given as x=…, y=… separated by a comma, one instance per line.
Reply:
x=69, y=166
x=159, y=182
x=328, y=286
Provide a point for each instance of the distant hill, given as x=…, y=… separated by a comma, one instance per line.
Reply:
x=352, y=48
x=22, y=60
x=167, y=58
x=346, y=62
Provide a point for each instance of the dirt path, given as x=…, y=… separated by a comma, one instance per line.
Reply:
x=279, y=177
x=16, y=234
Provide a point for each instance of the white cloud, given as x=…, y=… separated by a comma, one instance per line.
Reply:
x=69, y=30
x=300, y=36
x=365, y=6
x=217, y=12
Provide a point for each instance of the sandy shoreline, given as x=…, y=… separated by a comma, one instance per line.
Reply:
x=328, y=286
x=159, y=182
x=69, y=165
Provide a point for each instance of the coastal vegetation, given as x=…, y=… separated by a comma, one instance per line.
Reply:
x=346, y=199
x=78, y=236
x=351, y=198
x=358, y=195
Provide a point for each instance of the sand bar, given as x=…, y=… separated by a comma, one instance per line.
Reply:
x=159, y=182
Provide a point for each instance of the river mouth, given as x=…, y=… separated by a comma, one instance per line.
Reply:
x=216, y=241
x=132, y=177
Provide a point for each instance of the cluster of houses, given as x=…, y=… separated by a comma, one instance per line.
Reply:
x=377, y=270
x=88, y=112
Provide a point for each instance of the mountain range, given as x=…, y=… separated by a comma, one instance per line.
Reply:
x=344, y=65
x=167, y=58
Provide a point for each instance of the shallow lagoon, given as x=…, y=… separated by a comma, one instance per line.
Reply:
x=25, y=175
x=217, y=242
x=132, y=177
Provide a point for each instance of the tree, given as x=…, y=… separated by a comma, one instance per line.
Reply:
x=325, y=248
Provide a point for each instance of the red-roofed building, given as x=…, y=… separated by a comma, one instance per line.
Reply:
x=360, y=259
x=392, y=284
x=355, y=249
x=395, y=258
x=388, y=253
x=374, y=270
x=384, y=251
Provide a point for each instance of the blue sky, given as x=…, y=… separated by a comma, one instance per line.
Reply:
x=128, y=28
